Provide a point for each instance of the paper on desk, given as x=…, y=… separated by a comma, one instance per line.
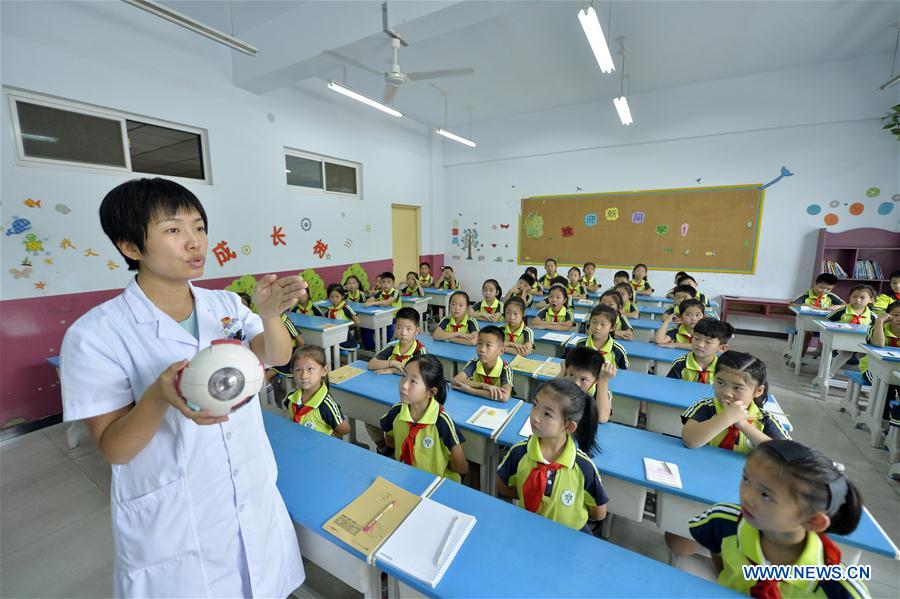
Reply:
x=808, y=310
x=343, y=373
x=526, y=365
x=664, y=473
x=887, y=353
x=558, y=337
x=525, y=431
x=550, y=368
x=489, y=418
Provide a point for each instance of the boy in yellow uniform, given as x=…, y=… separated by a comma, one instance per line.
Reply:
x=393, y=358
x=425, y=278
x=820, y=295
x=711, y=336
x=412, y=288
x=487, y=375
x=885, y=332
x=592, y=373
x=886, y=299
x=588, y=280
x=679, y=294
x=447, y=279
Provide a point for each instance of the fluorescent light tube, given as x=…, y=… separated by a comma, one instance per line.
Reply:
x=594, y=33
x=892, y=81
x=623, y=110
x=176, y=17
x=454, y=137
x=334, y=86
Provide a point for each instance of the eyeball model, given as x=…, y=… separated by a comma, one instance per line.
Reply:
x=220, y=378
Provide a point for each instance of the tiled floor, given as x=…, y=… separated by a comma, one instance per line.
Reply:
x=54, y=503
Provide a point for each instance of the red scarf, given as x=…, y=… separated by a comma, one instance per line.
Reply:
x=300, y=412
x=386, y=295
x=897, y=296
x=893, y=341
x=536, y=485
x=332, y=311
x=456, y=327
x=857, y=318
x=703, y=377
x=690, y=338
x=307, y=310
x=403, y=359
x=768, y=589
x=818, y=302
x=512, y=337
x=731, y=437
x=487, y=309
x=409, y=443
x=555, y=316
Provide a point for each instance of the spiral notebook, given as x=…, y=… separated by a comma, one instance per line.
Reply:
x=426, y=543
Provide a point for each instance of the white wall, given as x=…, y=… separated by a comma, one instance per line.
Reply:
x=112, y=55
x=821, y=122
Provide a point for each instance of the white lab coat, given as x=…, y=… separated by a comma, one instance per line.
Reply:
x=196, y=513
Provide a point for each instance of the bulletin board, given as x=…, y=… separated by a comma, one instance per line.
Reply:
x=711, y=229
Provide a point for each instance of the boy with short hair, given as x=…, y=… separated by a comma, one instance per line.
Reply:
x=690, y=281
x=592, y=373
x=425, y=278
x=393, y=358
x=711, y=336
x=820, y=295
x=886, y=299
x=447, y=279
x=590, y=283
x=487, y=375
x=679, y=294
x=621, y=276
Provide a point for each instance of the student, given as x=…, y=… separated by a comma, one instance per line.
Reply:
x=574, y=287
x=679, y=294
x=590, y=282
x=592, y=373
x=447, y=279
x=425, y=278
x=412, y=287
x=311, y=405
x=283, y=372
x=490, y=308
x=551, y=473
x=388, y=295
x=885, y=333
x=522, y=290
x=857, y=311
x=517, y=338
x=711, y=336
x=600, y=337
x=530, y=270
x=394, y=356
x=820, y=295
x=307, y=307
x=119, y=365
x=691, y=311
x=621, y=276
x=354, y=290
x=376, y=286
x=339, y=310
x=692, y=282
x=886, y=299
x=556, y=315
x=791, y=496
x=418, y=429
x=622, y=328
x=639, y=280
x=629, y=306
x=678, y=275
x=487, y=375
x=457, y=327
x=734, y=418
x=551, y=277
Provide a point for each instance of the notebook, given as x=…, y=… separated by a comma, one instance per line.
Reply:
x=525, y=431
x=426, y=543
x=488, y=417
x=664, y=473
x=526, y=365
x=888, y=353
x=343, y=373
x=557, y=337
x=551, y=369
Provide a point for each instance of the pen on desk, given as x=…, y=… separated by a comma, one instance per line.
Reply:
x=443, y=547
x=371, y=524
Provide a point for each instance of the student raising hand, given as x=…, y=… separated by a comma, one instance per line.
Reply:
x=272, y=296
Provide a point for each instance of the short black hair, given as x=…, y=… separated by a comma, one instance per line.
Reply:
x=691, y=303
x=685, y=277
x=526, y=276
x=387, y=275
x=604, y=310
x=128, y=209
x=586, y=264
x=892, y=306
x=559, y=288
x=407, y=313
x=495, y=331
x=413, y=273
x=336, y=287
x=515, y=301
x=621, y=273
x=582, y=357
x=894, y=275
x=450, y=268
x=827, y=278
x=691, y=291
x=553, y=260
x=421, y=264
x=715, y=328
x=495, y=284
x=575, y=268
x=612, y=293
x=867, y=288
x=531, y=269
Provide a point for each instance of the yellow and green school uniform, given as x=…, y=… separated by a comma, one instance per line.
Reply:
x=546, y=282
x=642, y=285
x=686, y=368
x=562, y=491
x=320, y=413
x=358, y=297
x=732, y=438
x=610, y=348
x=849, y=316
x=285, y=369
x=822, y=302
x=892, y=401
x=632, y=307
x=521, y=336
x=622, y=324
x=496, y=307
x=577, y=289
x=394, y=352
x=450, y=325
x=723, y=530
x=445, y=284
x=680, y=334
x=310, y=309
x=392, y=294
x=425, y=444
x=564, y=315
x=890, y=340
x=884, y=300
x=588, y=283
x=498, y=376
x=339, y=312
x=426, y=281
x=407, y=291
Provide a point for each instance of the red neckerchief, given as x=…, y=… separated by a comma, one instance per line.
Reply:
x=487, y=309
x=407, y=455
x=404, y=358
x=768, y=589
x=818, y=303
x=300, y=412
x=456, y=327
x=731, y=437
x=536, y=485
x=333, y=310
x=703, y=377
x=555, y=316
x=306, y=310
x=386, y=295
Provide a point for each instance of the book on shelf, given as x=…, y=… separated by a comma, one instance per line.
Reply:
x=832, y=267
x=868, y=270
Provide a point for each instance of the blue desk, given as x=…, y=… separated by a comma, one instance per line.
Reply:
x=882, y=369
x=805, y=317
x=419, y=304
x=668, y=301
x=309, y=461
x=326, y=332
x=375, y=318
x=440, y=298
x=835, y=336
x=368, y=397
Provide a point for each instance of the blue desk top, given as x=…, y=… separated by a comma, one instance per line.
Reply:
x=384, y=389
x=644, y=323
x=654, y=298
x=411, y=299
x=436, y=291
x=315, y=323
x=572, y=564
x=841, y=327
x=307, y=460
x=805, y=311
x=708, y=474
x=643, y=349
x=54, y=360
x=358, y=307
x=879, y=356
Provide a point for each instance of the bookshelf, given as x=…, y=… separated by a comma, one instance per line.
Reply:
x=846, y=247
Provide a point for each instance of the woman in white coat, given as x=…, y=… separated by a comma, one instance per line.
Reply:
x=195, y=510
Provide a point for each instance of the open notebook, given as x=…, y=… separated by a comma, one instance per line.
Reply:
x=426, y=543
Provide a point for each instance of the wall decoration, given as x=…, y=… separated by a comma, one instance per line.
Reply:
x=684, y=229
x=493, y=245
x=40, y=285
x=784, y=173
x=343, y=215
x=662, y=229
x=567, y=231
x=510, y=259
x=246, y=249
x=456, y=257
x=498, y=259
x=454, y=231
x=454, y=240
x=813, y=209
x=348, y=243
x=746, y=244
x=32, y=203
x=62, y=209
x=328, y=256
x=493, y=227
x=687, y=252
x=698, y=179
x=24, y=273
x=319, y=249
x=111, y=265
x=469, y=241
x=612, y=214
x=709, y=253
x=90, y=252
x=590, y=219
x=637, y=218
x=316, y=287
x=33, y=244
x=834, y=203
x=357, y=271
x=48, y=261
x=18, y=225
x=857, y=208
x=668, y=250
x=66, y=244
x=305, y=224
x=26, y=261
x=368, y=228
x=223, y=253
x=534, y=225
x=504, y=226
x=278, y=236
x=873, y=192
x=885, y=208
x=245, y=284
x=831, y=219
x=481, y=258
x=896, y=197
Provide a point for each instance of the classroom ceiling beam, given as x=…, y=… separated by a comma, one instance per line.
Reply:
x=291, y=46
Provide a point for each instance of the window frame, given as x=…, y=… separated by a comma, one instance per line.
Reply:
x=22, y=159
x=322, y=159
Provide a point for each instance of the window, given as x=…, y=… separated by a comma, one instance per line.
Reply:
x=314, y=172
x=51, y=131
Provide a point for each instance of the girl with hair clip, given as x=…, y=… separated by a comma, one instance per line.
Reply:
x=418, y=429
x=551, y=473
x=791, y=495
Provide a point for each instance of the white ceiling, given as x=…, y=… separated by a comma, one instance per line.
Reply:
x=534, y=55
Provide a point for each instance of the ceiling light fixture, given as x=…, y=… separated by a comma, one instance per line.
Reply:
x=335, y=86
x=590, y=22
x=457, y=138
x=621, y=103
x=893, y=78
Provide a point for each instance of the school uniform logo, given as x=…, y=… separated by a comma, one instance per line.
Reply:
x=427, y=442
x=568, y=497
x=308, y=424
x=232, y=328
